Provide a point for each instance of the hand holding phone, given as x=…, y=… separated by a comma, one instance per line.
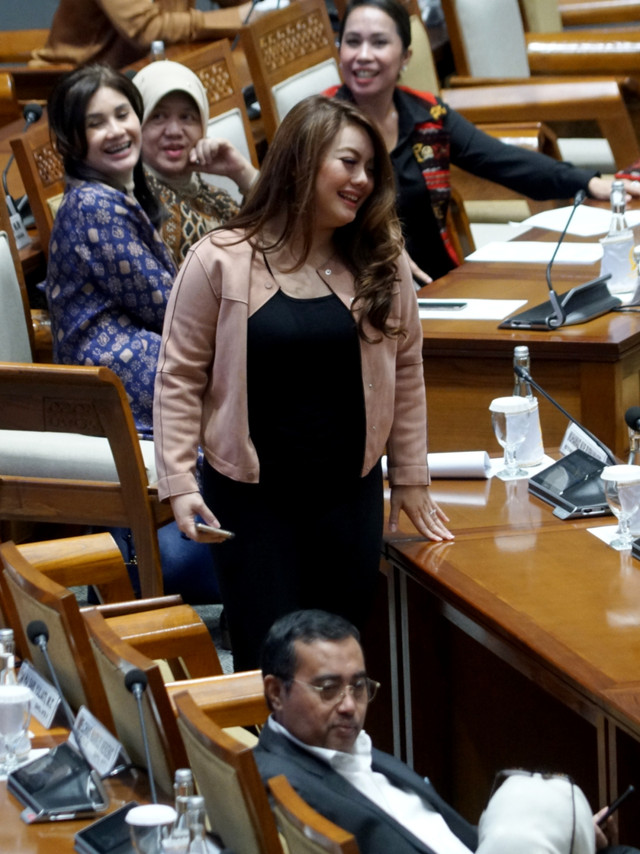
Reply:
x=614, y=806
x=209, y=534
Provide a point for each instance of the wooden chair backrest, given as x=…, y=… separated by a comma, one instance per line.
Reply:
x=89, y=401
x=42, y=175
x=304, y=829
x=232, y=700
x=487, y=39
x=228, y=779
x=115, y=658
x=29, y=595
x=284, y=43
x=541, y=16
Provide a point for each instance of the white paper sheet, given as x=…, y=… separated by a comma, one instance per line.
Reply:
x=531, y=251
x=474, y=309
x=586, y=221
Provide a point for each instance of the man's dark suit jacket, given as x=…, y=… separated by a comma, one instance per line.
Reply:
x=332, y=796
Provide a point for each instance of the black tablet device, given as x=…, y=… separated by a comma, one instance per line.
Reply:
x=573, y=486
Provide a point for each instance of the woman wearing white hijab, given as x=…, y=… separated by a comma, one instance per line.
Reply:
x=175, y=150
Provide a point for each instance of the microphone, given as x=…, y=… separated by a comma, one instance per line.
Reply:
x=136, y=682
x=31, y=113
x=632, y=417
x=577, y=305
x=526, y=376
x=559, y=315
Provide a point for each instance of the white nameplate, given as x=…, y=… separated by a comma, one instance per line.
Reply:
x=45, y=697
x=576, y=439
x=100, y=747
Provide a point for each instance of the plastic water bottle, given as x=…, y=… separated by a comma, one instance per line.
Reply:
x=617, y=247
x=157, y=51
x=531, y=452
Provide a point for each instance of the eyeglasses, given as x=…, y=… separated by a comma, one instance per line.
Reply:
x=334, y=692
x=501, y=776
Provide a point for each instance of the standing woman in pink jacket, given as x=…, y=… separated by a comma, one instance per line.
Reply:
x=292, y=352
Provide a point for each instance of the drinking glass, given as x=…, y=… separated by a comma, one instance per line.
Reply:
x=15, y=714
x=510, y=418
x=622, y=491
x=149, y=824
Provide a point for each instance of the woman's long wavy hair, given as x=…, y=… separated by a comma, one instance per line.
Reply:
x=67, y=110
x=284, y=196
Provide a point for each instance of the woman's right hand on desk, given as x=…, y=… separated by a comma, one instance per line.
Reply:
x=185, y=510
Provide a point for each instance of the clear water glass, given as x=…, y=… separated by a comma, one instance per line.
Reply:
x=622, y=491
x=510, y=418
x=149, y=826
x=15, y=714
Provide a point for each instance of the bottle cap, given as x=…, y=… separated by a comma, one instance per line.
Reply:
x=183, y=775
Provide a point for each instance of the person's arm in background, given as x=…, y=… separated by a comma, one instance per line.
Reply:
x=143, y=21
x=528, y=172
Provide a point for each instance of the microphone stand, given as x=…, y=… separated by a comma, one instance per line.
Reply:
x=558, y=317
x=526, y=376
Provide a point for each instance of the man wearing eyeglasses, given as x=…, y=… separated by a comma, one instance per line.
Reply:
x=317, y=689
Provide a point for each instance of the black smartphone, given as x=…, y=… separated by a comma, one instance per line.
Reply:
x=618, y=801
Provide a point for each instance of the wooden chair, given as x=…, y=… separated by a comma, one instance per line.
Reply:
x=25, y=334
x=161, y=628
x=489, y=41
x=228, y=779
x=547, y=16
x=42, y=175
x=115, y=658
x=304, y=829
x=58, y=472
x=291, y=54
x=231, y=701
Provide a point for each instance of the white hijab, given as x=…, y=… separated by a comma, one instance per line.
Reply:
x=537, y=815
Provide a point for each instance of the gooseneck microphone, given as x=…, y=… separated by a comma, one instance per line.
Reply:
x=38, y=634
x=31, y=113
x=526, y=376
x=632, y=417
x=559, y=316
x=136, y=682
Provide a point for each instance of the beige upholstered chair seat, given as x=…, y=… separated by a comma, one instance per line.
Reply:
x=64, y=455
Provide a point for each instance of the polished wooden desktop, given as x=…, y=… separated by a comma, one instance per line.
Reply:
x=518, y=646
x=592, y=369
x=16, y=837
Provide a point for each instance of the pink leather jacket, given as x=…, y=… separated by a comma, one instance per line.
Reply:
x=200, y=392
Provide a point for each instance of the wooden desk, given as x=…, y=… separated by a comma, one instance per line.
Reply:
x=519, y=646
x=591, y=369
x=16, y=837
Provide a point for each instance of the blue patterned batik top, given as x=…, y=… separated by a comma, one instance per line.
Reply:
x=108, y=283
